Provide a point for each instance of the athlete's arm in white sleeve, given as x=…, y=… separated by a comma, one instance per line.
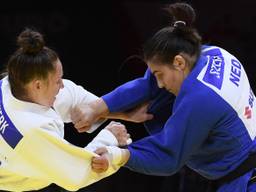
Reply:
x=45, y=156
x=70, y=96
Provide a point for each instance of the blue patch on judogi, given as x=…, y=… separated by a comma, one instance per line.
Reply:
x=215, y=71
x=7, y=129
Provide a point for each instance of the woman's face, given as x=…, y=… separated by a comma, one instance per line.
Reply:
x=49, y=88
x=168, y=76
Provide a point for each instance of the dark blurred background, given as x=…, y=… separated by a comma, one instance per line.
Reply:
x=95, y=41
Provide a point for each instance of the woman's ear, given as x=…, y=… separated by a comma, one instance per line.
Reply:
x=37, y=84
x=179, y=63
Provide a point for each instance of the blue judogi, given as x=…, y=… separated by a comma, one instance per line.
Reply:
x=212, y=126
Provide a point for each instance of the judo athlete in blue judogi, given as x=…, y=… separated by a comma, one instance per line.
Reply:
x=211, y=124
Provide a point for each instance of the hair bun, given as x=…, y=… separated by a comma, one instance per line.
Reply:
x=30, y=41
x=182, y=12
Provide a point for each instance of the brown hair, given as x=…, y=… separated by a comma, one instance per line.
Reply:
x=178, y=38
x=31, y=60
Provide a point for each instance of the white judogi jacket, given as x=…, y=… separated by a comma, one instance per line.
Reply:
x=33, y=153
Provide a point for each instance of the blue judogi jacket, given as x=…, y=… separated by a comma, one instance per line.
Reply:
x=210, y=126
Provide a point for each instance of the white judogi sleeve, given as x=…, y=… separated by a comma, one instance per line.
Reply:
x=33, y=153
x=44, y=156
x=70, y=96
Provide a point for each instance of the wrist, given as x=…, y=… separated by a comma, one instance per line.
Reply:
x=103, y=139
x=100, y=108
x=118, y=156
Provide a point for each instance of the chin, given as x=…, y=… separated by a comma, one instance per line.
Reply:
x=53, y=101
x=51, y=104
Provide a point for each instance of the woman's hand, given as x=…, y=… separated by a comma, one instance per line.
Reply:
x=83, y=117
x=111, y=155
x=100, y=164
x=120, y=132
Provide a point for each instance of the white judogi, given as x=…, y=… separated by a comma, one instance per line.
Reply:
x=33, y=153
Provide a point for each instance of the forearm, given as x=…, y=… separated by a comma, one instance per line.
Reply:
x=102, y=111
x=104, y=138
x=118, y=115
x=35, y=148
x=131, y=93
x=100, y=108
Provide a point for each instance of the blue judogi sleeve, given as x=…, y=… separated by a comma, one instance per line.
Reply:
x=166, y=152
x=137, y=91
x=132, y=93
x=211, y=129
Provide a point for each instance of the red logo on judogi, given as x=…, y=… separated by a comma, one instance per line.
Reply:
x=248, y=112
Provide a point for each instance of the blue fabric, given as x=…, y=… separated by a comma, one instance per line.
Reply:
x=132, y=93
x=160, y=107
x=204, y=131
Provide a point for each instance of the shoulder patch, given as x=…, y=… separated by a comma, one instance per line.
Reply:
x=8, y=131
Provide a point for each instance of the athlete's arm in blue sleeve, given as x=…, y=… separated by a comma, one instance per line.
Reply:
x=166, y=152
x=132, y=93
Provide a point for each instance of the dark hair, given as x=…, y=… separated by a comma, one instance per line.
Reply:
x=31, y=60
x=178, y=38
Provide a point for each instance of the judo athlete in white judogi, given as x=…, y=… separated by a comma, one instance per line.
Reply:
x=33, y=152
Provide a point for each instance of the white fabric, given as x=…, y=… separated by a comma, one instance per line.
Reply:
x=232, y=67
x=73, y=95
x=104, y=138
x=42, y=156
x=115, y=154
